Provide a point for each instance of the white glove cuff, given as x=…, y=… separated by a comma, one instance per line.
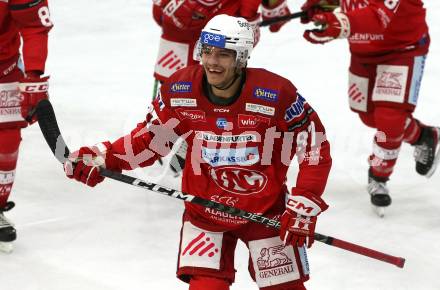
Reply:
x=274, y=11
x=345, y=24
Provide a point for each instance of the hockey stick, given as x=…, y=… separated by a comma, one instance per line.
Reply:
x=52, y=134
x=294, y=15
x=282, y=18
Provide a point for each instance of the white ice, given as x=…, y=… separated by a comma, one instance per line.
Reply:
x=117, y=237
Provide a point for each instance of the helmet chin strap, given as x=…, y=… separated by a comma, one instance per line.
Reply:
x=228, y=85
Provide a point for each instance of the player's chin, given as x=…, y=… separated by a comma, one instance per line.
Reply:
x=214, y=78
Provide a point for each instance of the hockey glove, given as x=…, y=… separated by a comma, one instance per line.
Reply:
x=274, y=11
x=334, y=25
x=299, y=219
x=83, y=165
x=158, y=10
x=189, y=14
x=313, y=7
x=33, y=89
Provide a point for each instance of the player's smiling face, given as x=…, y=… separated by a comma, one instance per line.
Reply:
x=220, y=65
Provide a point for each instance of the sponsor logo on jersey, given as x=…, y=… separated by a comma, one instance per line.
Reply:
x=181, y=87
x=212, y=39
x=221, y=123
x=389, y=83
x=365, y=37
x=231, y=156
x=301, y=123
x=201, y=246
x=183, y=102
x=239, y=180
x=193, y=115
x=274, y=262
x=160, y=101
x=221, y=110
x=355, y=94
x=265, y=110
x=208, y=137
x=251, y=121
x=266, y=94
x=7, y=177
x=273, y=256
x=296, y=109
x=171, y=61
x=349, y=5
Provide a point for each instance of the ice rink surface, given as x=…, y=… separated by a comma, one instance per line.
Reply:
x=117, y=237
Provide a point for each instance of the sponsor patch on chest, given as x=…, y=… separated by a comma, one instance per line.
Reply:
x=193, y=115
x=256, y=108
x=183, y=102
x=266, y=94
x=251, y=121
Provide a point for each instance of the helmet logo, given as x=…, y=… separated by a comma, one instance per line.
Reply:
x=213, y=39
x=244, y=24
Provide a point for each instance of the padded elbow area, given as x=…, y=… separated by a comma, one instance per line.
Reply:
x=211, y=283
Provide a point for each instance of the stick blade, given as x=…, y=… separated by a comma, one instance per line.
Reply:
x=51, y=132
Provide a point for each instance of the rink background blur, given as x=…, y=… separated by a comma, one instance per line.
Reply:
x=116, y=237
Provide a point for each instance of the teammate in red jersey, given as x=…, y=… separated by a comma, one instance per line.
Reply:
x=243, y=127
x=25, y=22
x=389, y=42
x=182, y=21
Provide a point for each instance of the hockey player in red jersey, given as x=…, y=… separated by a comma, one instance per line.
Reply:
x=21, y=87
x=243, y=127
x=389, y=42
x=182, y=21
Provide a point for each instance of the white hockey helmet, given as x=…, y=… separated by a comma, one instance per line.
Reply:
x=228, y=32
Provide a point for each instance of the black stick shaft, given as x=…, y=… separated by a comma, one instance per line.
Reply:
x=282, y=18
x=52, y=134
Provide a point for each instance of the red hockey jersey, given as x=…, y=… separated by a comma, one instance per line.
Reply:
x=30, y=20
x=238, y=154
x=384, y=28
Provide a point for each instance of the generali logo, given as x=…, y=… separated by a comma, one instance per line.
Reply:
x=273, y=261
x=201, y=246
x=389, y=83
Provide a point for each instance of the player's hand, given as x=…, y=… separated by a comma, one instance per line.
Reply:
x=253, y=22
x=33, y=89
x=299, y=219
x=190, y=15
x=313, y=7
x=334, y=25
x=83, y=165
x=279, y=9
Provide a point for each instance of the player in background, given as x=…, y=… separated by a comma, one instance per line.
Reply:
x=243, y=127
x=22, y=86
x=181, y=22
x=389, y=41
